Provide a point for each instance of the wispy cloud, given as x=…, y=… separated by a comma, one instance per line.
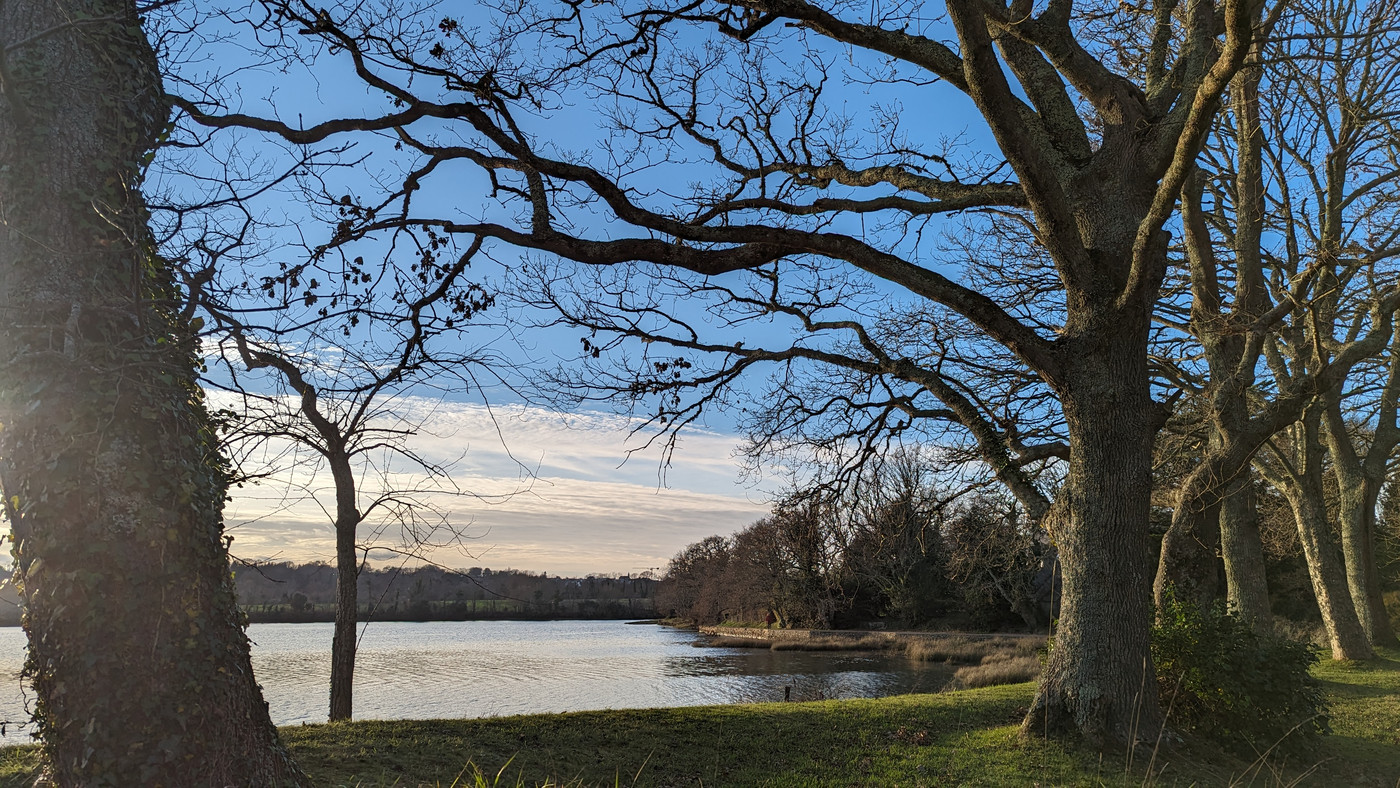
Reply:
x=542, y=490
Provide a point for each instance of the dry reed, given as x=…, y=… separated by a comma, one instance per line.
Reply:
x=999, y=668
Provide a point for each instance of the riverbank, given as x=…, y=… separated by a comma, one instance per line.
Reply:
x=985, y=659
x=955, y=738
x=868, y=640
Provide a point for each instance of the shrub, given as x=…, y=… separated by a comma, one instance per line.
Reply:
x=1218, y=675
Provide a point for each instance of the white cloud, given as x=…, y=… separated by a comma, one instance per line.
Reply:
x=588, y=507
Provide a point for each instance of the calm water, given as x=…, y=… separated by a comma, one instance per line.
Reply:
x=496, y=668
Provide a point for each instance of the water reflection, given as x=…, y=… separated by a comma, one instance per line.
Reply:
x=487, y=668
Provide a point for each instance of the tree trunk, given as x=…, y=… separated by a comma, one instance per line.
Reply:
x=1214, y=512
x=1247, y=588
x=1357, y=515
x=347, y=573
x=1302, y=486
x=1359, y=483
x=1191, y=546
x=1328, y=576
x=1233, y=360
x=1100, y=679
x=112, y=482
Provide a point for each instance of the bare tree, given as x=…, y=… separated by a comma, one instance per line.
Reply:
x=894, y=541
x=339, y=411
x=1280, y=170
x=1335, y=170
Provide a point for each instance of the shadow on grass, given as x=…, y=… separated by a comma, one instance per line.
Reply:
x=957, y=738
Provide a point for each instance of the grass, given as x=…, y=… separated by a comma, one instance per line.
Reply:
x=956, y=738
x=1365, y=702
x=864, y=643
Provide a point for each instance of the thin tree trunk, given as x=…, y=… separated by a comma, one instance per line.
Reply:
x=335, y=444
x=1328, y=576
x=112, y=482
x=1357, y=517
x=1234, y=359
x=347, y=569
x=1356, y=514
x=1100, y=679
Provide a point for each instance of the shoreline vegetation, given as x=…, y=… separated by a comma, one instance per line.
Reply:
x=968, y=737
x=984, y=659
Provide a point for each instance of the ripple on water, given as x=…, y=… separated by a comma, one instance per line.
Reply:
x=495, y=668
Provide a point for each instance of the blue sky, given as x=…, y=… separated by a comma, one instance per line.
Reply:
x=587, y=506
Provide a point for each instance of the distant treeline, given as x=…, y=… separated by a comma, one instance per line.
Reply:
x=287, y=592
x=893, y=549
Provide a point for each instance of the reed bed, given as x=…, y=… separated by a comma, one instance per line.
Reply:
x=971, y=650
x=999, y=668
x=988, y=659
x=863, y=643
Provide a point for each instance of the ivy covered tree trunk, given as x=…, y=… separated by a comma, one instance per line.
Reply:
x=112, y=483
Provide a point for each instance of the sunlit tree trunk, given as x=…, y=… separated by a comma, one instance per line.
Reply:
x=113, y=487
x=1297, y=473
x=1359, y=480
x=1100, y=678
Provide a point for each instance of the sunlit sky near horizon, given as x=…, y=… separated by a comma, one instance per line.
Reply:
x=539, y=491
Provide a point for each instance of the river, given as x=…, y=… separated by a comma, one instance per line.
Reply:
x=497, y=668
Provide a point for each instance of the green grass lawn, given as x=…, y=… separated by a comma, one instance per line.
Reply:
x=956, y=738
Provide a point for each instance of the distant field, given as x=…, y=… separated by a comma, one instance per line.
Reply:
x=956, y=738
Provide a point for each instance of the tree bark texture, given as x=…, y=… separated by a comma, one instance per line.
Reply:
x=347, y=603
x=1247, y=589
x=1191, y=547
x=1302, y=486
x=1100, y=679
x=1359, y=482
x=112, y=481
